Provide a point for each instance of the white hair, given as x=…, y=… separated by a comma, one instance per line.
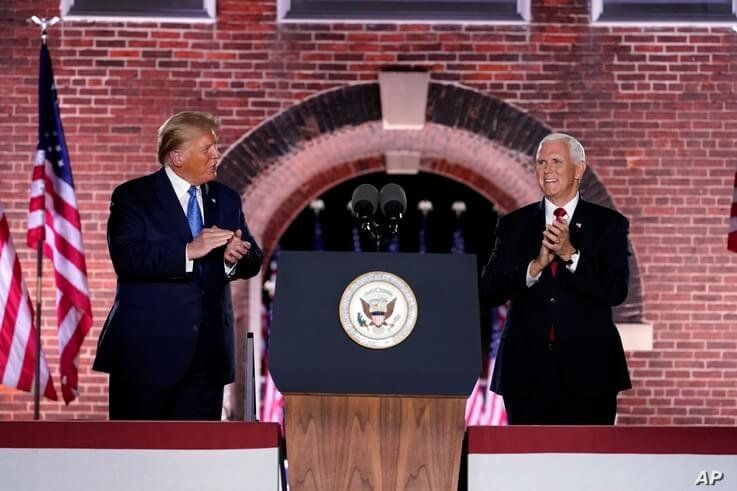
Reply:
x=575, y=149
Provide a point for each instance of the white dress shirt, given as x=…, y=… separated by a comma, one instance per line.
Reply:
x=181, y=189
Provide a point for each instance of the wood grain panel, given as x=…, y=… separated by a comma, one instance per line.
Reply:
x=377, y=443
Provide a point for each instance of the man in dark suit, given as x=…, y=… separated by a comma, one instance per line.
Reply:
x=563, y=263
x=176, y=238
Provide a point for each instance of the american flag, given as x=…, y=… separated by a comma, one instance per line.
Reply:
x=272, y=408
x=483, y=406
x=54, y=220
x=732, y=238
x=272, y=401
x=17, y=335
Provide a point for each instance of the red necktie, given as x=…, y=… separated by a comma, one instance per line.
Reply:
x=559, y=214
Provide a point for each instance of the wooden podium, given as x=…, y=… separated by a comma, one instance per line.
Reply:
x=374, y=419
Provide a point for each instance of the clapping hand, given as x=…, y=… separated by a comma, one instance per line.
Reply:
x=236, y=248
x=210, y=238
x=557, y=240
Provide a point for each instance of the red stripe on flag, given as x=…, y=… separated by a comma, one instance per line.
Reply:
x=78, y=298
x=29, y=358
x=60, y=207
x=10, y=314
x=17, y=333
x=67, y=249
x=36, y=203
x=69, y=352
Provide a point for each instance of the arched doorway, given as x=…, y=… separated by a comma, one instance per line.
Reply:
x=335, y=136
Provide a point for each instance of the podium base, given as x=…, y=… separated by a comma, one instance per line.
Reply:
x=377, y=443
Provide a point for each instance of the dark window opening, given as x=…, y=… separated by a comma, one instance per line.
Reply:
x=679, y=11
x=140, y=8
x=397, y=10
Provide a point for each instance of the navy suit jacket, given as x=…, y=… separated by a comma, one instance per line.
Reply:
x=161, y=312
x=588, y=347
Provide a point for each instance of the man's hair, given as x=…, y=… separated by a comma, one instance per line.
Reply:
x=181, y=128
x=575, y=149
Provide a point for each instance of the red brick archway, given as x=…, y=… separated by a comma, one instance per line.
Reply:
x=473, y=138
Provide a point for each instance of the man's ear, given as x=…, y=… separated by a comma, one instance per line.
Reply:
x=175, y=158
x=580, y=169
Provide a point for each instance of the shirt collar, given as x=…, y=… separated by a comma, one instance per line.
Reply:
x=570, y=207
x=181, y=187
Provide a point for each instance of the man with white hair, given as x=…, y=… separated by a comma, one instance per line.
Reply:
x=563, y=264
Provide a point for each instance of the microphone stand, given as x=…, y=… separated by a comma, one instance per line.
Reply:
x=371, y=229
x=379, y=233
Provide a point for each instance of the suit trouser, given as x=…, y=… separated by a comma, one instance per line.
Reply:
x=195, y=397
x=552, y=403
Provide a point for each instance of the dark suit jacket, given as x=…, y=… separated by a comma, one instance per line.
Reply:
x=161, y=313
x=588, y=347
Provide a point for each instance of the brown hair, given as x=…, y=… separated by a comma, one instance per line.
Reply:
x=179, y=129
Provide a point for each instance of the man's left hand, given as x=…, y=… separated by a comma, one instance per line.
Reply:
x=558, y=240
x=236, y=248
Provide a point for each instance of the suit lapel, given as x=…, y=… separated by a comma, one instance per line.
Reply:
x=171, y=206
x=540, y=217
x=536, y=233
x=210, y=204
x=577, y=225
x=533, y=221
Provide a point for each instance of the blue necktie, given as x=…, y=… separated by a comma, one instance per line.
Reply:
x=194, y=215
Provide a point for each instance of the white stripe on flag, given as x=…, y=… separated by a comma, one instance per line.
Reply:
x=61, y=188
x=17, y=355
x=70, y=271
x=36, y=219
x=68, y=231
x=474, y=406
x=37, y=188
x=7, y=259
x=20, y=353
x=15, y=359
x=68, y=325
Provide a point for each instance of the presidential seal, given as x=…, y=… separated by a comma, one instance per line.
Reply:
x=378, y=310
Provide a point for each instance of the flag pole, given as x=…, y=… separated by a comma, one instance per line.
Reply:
x=44, y=24
x=37, y=374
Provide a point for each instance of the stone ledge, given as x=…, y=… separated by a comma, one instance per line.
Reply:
x=636, y=336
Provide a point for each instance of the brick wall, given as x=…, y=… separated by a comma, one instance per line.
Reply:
x=655, y=108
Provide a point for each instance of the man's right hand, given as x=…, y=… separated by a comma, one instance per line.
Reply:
x=544, y=257
x=210, y=238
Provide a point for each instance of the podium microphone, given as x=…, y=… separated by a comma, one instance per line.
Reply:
x=363, y=202
x=393, y=202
